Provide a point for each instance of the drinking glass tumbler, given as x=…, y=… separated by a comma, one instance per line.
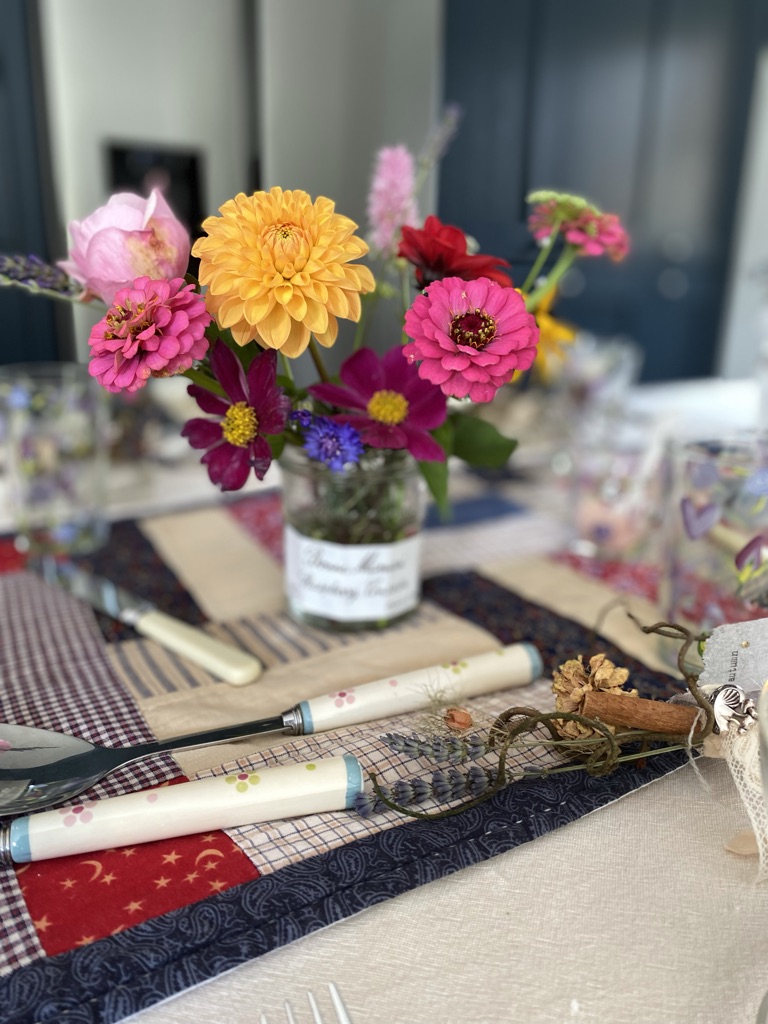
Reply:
x=54, y=419
x=715, y=555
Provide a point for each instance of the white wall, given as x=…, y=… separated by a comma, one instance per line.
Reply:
x=745, y=325
x=338, y=79
x=165, y=72
x=168, y=72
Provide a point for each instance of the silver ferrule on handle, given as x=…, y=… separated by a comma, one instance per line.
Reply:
x=293, y=723
x=5, y=844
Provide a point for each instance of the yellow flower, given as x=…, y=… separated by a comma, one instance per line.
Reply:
x=277, y=268
x=553, y=335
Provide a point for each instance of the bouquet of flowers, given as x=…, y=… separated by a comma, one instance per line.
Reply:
x=277, y=271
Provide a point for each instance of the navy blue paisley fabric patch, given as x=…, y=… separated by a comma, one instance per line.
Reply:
x=118, y=976
x=131, y=560
x=513, y=619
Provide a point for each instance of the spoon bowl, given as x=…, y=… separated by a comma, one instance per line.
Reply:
x=40, y=768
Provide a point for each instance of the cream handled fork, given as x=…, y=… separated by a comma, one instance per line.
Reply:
x=342, y=1014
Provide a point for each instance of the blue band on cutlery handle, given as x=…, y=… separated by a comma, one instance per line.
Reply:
x=18, y=841
x=501, y=669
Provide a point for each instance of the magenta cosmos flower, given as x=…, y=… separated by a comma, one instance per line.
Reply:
x=154, y=329
x=469, y=337
x=127, y=238
x=391, y=405
x=254, y=408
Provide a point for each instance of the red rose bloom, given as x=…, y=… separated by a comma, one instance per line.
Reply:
x=439, y=250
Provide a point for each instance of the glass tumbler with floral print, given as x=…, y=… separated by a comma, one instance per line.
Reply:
x=54, y=420
x=716, y=531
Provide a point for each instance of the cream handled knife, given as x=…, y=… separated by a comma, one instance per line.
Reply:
x=220, y=659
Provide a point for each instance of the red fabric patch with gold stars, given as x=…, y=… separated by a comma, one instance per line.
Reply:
x=76, y=900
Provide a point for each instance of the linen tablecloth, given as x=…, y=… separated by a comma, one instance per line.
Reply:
x=616, y=916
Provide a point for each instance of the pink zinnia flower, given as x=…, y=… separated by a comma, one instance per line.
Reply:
x=127, y=238
x=391, y=200
x=154, y=329
x=470, y=336
x=581, y=224
x=598, y=233
x=255, y=407
x=542, y=219
x=392, y=406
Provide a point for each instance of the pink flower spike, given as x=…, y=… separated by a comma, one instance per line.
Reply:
x=469, y=337
x=154, y=329
x=391, y=200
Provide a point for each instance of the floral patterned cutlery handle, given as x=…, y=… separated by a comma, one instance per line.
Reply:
x=225, y=801
x=506, y=667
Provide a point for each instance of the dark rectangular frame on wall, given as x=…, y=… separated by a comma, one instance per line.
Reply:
x=178, y=172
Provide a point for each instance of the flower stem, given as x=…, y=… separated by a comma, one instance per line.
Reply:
x=405, y=294
x=317, y=359
x=287, y=370
x=566, y=258
x=49, y=293
x=368, y=302
x=542, y=258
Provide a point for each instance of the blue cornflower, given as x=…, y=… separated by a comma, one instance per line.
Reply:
x=303, y=417
x=335, y=444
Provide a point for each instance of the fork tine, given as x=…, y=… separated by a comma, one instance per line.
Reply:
x=263, y=1019
x=290, y=1019
x=342, y=1014
x=316, y=1016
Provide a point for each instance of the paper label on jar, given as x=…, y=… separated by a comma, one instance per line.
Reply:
x=352, y=582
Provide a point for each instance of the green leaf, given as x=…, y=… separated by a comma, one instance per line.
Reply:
x=444, y=436
x=204, y=380
x=276, y=443
x=480, y=444
x=436, y=475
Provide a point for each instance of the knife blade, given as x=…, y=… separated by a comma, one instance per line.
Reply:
x=222, y=660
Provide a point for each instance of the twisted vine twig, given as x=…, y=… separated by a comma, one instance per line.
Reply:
x=599, y=755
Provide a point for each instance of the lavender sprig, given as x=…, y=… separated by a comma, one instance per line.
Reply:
x=452, y=749
x=442, y=787
x=36, y=275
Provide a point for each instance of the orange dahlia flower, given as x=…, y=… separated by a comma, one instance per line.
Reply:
x=278, y=268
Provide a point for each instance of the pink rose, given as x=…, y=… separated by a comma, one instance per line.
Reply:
x=130, y=237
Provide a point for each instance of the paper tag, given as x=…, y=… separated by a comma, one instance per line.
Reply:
x=352, y=582
x=738, y=654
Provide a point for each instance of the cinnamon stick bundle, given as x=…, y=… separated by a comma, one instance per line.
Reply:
x=641, y=713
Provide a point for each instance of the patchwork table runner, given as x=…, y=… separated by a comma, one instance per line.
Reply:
x=98, y=937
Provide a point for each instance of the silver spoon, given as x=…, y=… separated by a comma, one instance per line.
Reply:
x=40, y=768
